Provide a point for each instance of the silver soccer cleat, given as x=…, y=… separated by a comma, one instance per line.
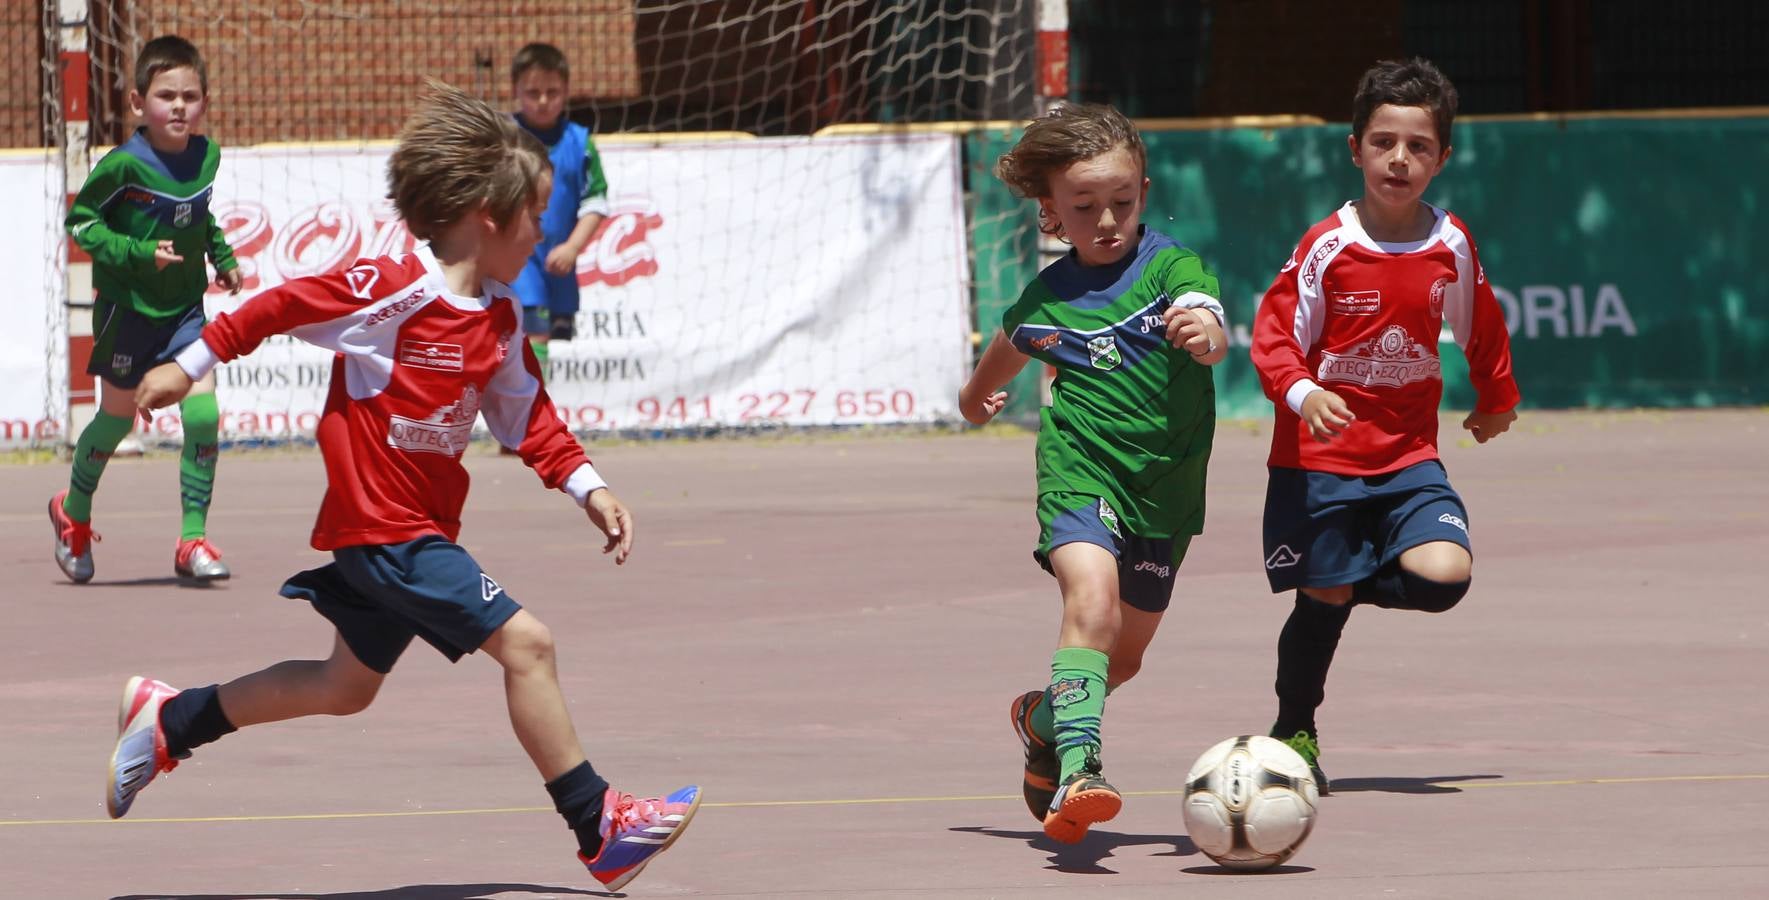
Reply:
x=73, y=542
x=200, y=560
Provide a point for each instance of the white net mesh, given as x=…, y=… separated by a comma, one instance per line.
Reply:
x=791, y=238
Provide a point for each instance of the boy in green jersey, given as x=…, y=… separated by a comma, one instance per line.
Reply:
x=1131, y=321
x=143, y=216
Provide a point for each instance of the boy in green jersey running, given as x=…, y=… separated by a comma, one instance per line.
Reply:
x=1131, y=321
x=143, y=216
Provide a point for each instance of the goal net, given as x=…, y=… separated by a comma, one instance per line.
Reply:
x=792, y=236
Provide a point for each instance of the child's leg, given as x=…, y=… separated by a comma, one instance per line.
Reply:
x=1305, y=653
x=524, y=647
x=1431, y=577
x=339, y=685
x=113, y=422
x=159, y=725
x=1088, y=576
x=196, y=465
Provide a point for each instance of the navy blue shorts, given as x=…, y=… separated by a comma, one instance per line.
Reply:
x=1146, y=565
x=380, y=596
x=1326, y=530
x=125, y=343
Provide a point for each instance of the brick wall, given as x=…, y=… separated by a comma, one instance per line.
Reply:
x=21, y=55
x=284, y=70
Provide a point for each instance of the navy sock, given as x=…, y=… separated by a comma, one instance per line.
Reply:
x=1305, y=652
x=193, y=718
x=577, y=795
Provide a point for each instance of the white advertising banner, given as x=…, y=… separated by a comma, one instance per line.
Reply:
x=28, y=256
x=794, y=281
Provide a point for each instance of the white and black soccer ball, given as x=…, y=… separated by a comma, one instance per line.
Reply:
x=1250, y=802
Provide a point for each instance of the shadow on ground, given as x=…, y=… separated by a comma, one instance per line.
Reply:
x=1440, y=784
x=409, y=892
x=1084, y=858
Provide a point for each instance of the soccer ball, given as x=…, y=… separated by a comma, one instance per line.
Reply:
x=1250, y=802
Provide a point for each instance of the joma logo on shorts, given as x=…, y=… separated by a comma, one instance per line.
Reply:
x=1158, y=570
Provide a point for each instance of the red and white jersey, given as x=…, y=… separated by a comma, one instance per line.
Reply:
x=416, y=365
x=1361, y=318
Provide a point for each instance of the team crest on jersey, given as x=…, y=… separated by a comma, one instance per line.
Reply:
x=445, y=431
x=1103, y=352
x=181, y=215
x=1390, y=359
x=1437, y=290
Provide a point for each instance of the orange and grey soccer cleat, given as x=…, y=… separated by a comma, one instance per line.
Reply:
x=1039, y=785
x=1084, y=799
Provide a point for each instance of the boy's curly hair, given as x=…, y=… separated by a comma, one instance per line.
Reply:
x=1066, y=135
x=1405, y=82
x=456, y=154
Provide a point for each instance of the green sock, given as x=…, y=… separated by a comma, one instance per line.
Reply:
x=1044, y=723
x=540, y=354
x=97, y=442
x=196, y=465
x=1077, y=700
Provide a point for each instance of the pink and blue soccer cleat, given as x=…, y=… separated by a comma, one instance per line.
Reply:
x=634, y=831
x=141, y=743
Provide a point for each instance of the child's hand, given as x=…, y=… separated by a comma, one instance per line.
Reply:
x=162, y=386
x=1326, y=414
x=562, y=260
x=1187, y=330
x=1486, y=426
x=985, y=410
x=165, y=255
x=610, y=515
x=231, y=280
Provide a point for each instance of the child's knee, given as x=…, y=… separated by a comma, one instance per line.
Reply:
x=1440, y=561
x=1432, y=595
x=526, y=641
x=346, y=695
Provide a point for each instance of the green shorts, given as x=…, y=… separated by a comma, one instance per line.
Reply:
x=1146, y=565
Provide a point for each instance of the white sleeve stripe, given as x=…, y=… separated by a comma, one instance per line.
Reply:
x=584, y=482
x=197, y=360
x=597, y=205
x=1458, y=298
x=1299, y=392
x=1309, y=321
x=1199, y=299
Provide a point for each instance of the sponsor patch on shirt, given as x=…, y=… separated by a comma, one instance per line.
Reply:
x=1354, y=303
x=428, y=355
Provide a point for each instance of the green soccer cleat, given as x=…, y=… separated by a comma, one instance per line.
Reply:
x=1308, y=746
x=1039, y=786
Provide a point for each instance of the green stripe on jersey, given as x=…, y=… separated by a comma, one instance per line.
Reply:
x=1131, y=417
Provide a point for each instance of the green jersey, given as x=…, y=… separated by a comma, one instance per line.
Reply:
x=136, y=197
x=1131, y=417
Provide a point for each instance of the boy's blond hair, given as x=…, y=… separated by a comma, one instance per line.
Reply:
x=457, y=154
x=1060, y=138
